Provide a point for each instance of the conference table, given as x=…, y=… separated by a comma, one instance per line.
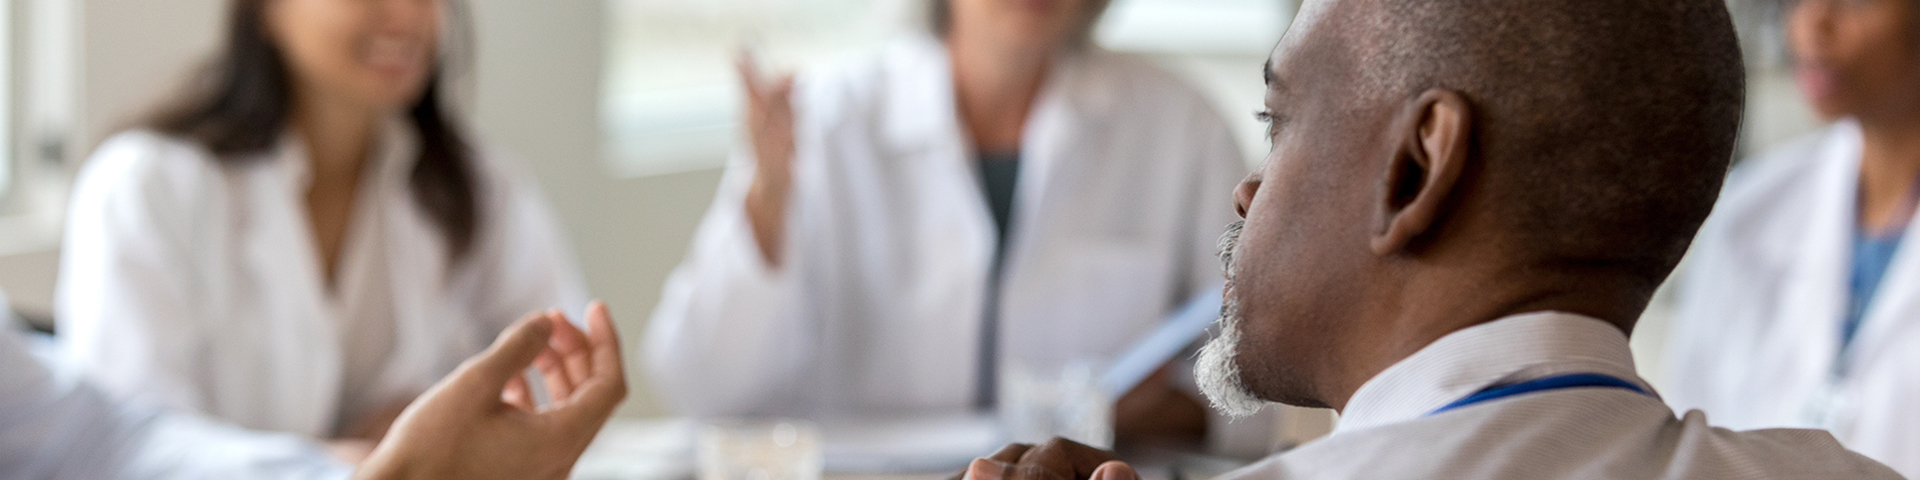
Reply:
x=917, y=449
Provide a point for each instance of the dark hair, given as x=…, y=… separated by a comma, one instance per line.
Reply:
x=239, y=108
x=940, y=20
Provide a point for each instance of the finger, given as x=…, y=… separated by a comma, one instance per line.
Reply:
x=1115, y=470
x=749, y=69
x=1010, y=453
x=605, y=342
x=595, y=401
x=575, y=354
x=518, y=395
x=1065, y=457
x=1035, y=472
x=510, y=354
x=554, y=375
x=986, y=469
x=780, y=91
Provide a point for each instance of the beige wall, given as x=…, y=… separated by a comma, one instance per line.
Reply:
x=132, y=54
x=125, y=55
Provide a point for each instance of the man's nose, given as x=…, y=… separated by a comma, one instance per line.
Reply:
x=1243, y=194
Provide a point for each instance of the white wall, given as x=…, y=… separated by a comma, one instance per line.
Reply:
x=538, y=95
x=128, y=55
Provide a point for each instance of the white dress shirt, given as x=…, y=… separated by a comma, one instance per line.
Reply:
x=55, y=426
x=196, y=284
x=1125, y=185
x=1756, y=338
x=1389, y=431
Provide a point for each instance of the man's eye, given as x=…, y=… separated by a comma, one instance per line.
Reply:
x=1274, y=122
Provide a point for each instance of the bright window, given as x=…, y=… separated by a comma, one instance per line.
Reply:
x=36, y=86
x=671, y=98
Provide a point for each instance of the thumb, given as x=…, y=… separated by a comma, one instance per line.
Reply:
x=782, y=91
x=510, y=354
x=1115, y=470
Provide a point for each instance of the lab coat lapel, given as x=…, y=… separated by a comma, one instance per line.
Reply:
x=306, y=354
x=922, y=114
x=415, y=267
x=1053, y=131
x=1895, y=309
x=925, y=128
x=1056, y=162
x=1816, y=294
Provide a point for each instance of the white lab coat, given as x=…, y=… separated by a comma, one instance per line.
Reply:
x=197, y=285
x=1124, y=187
x=1762, y=300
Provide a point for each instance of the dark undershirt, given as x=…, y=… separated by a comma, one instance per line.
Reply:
x=1873, y=252
x=999, y=173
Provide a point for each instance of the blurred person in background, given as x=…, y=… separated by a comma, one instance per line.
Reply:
x=1802, y=305
x=905, y=228
x=478, y=423
x=307, y=240
x=1454, y=235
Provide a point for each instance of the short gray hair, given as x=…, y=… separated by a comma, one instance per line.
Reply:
x=1602, y=117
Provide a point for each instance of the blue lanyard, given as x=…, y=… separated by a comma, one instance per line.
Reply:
x=1558, y=382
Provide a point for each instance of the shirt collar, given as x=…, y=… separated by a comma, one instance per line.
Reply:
x=1509, y=350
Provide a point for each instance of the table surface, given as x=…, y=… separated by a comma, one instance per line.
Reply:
x=650, y=449
x=853, y=450
x=663, y=449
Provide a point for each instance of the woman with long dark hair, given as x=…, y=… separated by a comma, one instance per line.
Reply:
x=306, y=240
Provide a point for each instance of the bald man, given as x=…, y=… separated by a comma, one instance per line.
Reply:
x=1467, y=206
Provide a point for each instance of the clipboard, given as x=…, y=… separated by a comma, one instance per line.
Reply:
x=1186, y=325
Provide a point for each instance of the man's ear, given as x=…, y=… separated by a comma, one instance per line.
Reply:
x=1434, y=134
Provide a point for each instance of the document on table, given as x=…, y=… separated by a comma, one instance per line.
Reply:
x=1185, y=326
